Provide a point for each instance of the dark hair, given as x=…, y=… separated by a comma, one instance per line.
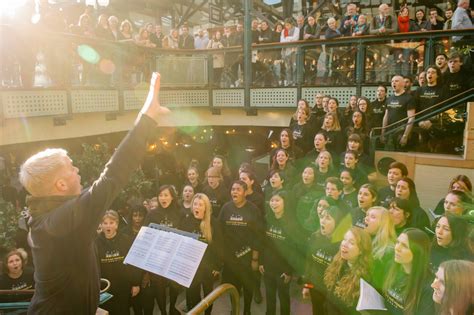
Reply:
x=241, y=183
x=402, y=167
x=250, y=175
x=354, y=153
x=459, y=232
x=355, y=137
x=283, y=194
x=245, y=167
x=413, y=199
x=140, y=209
x=275, y=165
x=438, y=73
x=335, y=99
x=419, y=244
x=371, y=188
x=421, y=10
x=403, y=205
x=363, y=124
x=323, y=133
x=463, y=197
x=290, y=138
x=335, y=181
x=384, y=87
x=439, y=54
x=173, y=192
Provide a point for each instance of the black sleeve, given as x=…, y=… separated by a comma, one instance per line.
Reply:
x=411, y=103
x=86, y=210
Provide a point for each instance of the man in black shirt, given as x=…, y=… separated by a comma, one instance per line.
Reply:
x=186, y=41
x=456, y=79
x=427, y=96
x=239, y=220
x=399, y=106
x=378, y=106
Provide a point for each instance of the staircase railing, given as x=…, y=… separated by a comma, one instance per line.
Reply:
x=214, y=295
x=422, y=115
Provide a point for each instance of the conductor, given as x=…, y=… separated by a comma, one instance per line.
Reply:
x=64, y=217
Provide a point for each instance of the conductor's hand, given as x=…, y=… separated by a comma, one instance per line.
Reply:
x=152, y=107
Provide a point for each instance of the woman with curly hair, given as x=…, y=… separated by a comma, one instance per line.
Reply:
x=407, y=286
x=342, y=277
x=322, y=247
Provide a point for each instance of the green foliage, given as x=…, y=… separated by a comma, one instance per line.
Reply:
x=91, y=162
x=8, y=224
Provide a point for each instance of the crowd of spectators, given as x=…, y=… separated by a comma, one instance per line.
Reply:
x=275, y=67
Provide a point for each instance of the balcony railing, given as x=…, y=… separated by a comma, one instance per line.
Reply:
x=55, y=74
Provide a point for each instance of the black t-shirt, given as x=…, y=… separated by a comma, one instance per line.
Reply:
x=303, y=136
x=456, y=83
x=24, y=282
x=397, y=107
x=218, y=197
x=385, y=195
x=377, y=109
x=427, y=96
x=241, y=231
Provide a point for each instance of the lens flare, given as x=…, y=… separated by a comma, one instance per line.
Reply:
x=107, y=66
x=88, y=53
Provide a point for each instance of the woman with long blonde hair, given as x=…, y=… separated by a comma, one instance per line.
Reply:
x=202, y=223
x=352, y=262
x=380, y=226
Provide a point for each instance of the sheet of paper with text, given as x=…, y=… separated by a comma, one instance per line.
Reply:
x=167, y=254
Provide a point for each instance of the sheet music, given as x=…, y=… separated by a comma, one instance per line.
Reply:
x=167, y=254
x=369, y=298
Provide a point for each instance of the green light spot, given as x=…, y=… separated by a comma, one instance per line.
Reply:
x=88, y=54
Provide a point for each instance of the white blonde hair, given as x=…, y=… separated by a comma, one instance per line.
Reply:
x=38, y=173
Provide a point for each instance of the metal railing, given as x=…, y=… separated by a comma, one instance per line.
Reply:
x=77, y=61
x=422, y=115
x=214, y=295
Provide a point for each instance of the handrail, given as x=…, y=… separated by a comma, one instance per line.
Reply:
x=276, y=45
x=458, y=99
x=216, y=293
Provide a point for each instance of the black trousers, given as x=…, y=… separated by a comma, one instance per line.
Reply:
x=274, y=285
x=318, y=300
x=158, y=292
x=204, y=280
x=241, y=276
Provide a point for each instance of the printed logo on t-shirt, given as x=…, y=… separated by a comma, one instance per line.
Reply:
x=394, y=104
x=21, y=286
x=275, y=233
x=236, y=220
x=321, y=257
x=112, y=256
